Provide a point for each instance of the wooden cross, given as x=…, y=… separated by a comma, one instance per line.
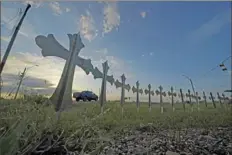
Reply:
x=172, y=94
x=149, y=92
x=212, y=98
x=182, y=98
x=123, y=86
x=161, y=93
x=219, y=98
x=205, y=98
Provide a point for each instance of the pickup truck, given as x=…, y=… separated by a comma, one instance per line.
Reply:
x=85, y=96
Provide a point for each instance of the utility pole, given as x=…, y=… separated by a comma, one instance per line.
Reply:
x=1, y=83
x=3, y=62
x=20, y=82
x=191, y=82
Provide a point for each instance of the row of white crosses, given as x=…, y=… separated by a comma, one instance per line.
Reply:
x=62, y=95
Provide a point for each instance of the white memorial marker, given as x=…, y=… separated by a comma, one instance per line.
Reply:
x=182, y=98
x=190, y=100
x=161, y=93
x=103, y=86
x=51, y=47
x=219, y=98
x=98, y=74
x=62, y=95
x=212, y=98
x=137, y=90
x=123, y=86
x=149, y=92
x=172, y=94
x=197, y=99
x=205, y=98
x=223, y=98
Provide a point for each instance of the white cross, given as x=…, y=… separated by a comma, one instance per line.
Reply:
x=123, y=86
x=172, y=94
x=62, y=96
x=149, y=92
x=161, y=93
x=137, y=90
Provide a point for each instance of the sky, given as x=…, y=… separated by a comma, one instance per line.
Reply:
x=150, y=42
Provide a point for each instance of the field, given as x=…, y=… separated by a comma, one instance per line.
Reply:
x=31, y=128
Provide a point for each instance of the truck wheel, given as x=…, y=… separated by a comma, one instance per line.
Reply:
x=77, y=99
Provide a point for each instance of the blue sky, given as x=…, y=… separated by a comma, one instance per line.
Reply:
x=153, y=42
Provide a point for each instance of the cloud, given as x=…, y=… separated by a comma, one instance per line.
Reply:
x=211, y=27
x=143, y=14
x=49, y=68
x=111, y=17
x=87, y=26
x=67, y=9
x=151, y=53
x=10, y=18
x=6, y=39
x=55, y=6
x=117, y=65
x=104, y=51
x=31, y=84
x=35, y=4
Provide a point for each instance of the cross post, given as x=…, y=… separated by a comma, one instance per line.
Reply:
x=190, y=100
x=149, y=92
x=103, y=86
x=182, y=98
x=212, y=98
x=137, y=94
x=172, y=94
x=161, y=93
x=123, y=86
x=205, y=98
x=219, y=98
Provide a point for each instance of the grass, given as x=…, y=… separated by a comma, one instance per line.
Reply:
x=25, y=125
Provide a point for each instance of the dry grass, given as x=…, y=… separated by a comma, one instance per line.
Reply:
x=26, y=125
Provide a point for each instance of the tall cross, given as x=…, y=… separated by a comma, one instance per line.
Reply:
x=197, y=99
x=212, y=98
x=149, y=92
x=223, y=97
x=182, y=98
x=190, y=100
x=205, y=98
x=123, y=86
x=219, y=98
x=51, y=47
x=137, y=90
x=189, y=96
x=103, y=86
x=161, y=93
x=172, y=94
x=62, y=95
